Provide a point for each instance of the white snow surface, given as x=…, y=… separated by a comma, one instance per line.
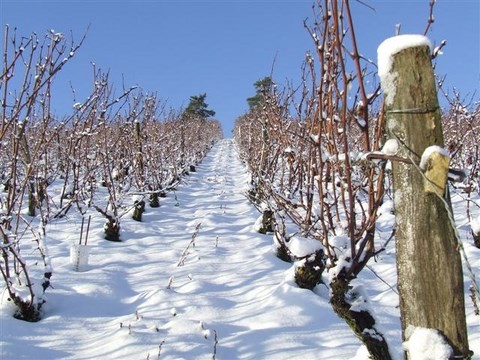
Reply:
x=387, y=49
x=475, y=224
x=426, y=344
x=300, y=246
x=232, y=297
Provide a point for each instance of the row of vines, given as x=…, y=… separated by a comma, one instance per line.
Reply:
x=316, y=161
x=113, y=155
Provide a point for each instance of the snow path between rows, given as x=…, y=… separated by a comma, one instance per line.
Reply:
x=121, y=308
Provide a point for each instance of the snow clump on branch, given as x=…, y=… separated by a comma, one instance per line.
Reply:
x=390, y=147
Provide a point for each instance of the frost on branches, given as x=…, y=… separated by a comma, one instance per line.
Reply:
x=304, y=148
x=105, y=159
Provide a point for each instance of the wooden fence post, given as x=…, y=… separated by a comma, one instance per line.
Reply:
x=429, y=267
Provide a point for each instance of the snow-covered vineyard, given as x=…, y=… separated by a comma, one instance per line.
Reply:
x=226, y=295
x=341, y=221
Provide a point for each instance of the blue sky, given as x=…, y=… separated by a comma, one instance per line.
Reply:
x=183, y=48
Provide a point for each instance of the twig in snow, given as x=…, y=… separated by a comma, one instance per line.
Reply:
x=215, y=343
x=182, y=259
x=160, y=348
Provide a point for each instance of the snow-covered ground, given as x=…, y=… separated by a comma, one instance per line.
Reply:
x=228, y=297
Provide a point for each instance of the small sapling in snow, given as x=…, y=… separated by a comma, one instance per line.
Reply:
x=160, y=348
x=215, y=343
x=185, y=252
x=170, y=282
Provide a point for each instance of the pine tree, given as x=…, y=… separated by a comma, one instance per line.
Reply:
x=197, y=107
x=262, y=87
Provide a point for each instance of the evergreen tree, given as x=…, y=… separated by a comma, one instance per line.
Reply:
x=197, y=107
x=262, y=87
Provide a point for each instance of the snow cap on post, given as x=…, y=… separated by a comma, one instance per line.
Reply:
x=386, y=50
